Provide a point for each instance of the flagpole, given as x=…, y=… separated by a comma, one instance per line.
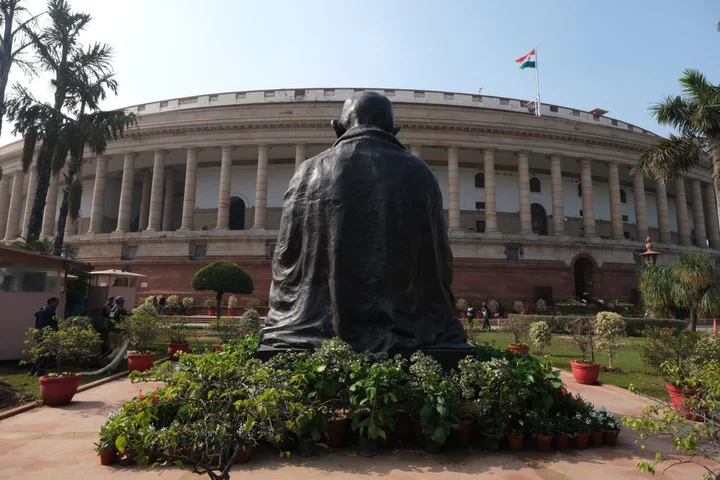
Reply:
x=537, y=83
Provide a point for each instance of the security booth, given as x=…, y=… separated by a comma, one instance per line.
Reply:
x=111, y=283
x=27, y=280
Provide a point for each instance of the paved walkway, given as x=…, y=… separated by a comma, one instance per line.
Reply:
x=57, y=443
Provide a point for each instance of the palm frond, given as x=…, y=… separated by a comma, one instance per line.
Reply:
x=709, y=303
x=655, y=285
x=696, y=86
x=695, y=269
x=676, y=112
x=75, y=197
x=28, y=151
x=669, y=158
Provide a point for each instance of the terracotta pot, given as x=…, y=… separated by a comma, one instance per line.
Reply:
x=519, y=349
x=107, y=456
x=581, y=440
x=140, y=362
x=679, y=399
x=243, y=456
x=515, y=443
x=561, y=441
x=231, y=312
x=596, y=439
x=505, y=314
x=212, y=311
x=188, y=312
x=463, y=434
x=218, y=347
x=174, y=349
x=169, y=312
x=544, y=442
x=335, y=437
x=610, y=437
x=57, y=391
x=585, y=373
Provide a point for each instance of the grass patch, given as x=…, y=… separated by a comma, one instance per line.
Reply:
x=563, y=350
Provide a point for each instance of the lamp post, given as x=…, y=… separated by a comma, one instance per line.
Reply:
x=649, y=256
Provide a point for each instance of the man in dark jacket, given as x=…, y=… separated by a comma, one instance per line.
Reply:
x=45, y=317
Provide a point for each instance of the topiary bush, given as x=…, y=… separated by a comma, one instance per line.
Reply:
x=540, y=335
x=634, y=327
x=146, y=308
x=251, y=319
x=609, y=328
x=222, y=277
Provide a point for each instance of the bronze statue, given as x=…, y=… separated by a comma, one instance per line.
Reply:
x=363, y=252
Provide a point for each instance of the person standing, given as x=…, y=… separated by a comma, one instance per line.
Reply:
x=163, y=304
x=45, y=317
x=470, y=313
x=102, y=328
x=485, y=312
x=115, y=318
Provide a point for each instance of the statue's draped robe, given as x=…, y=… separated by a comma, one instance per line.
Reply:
x=363, y=252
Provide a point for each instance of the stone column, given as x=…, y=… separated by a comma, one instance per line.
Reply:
x=299, y=155
x=453, y=189
x=713, y=229
x=558, y=208
x=188, y=213
x=682, y=212
x=156, y=192
x=261, y=188
x=12, y=230
x=640, y=210
x=30, y=198
x=223, y=214
x=126, y=193
x=145, y=201
x=98, y=203
x=490, y=199
x=587, y=197
x=663, y=215
x=524, y=179
x=50, y=212
x=167, y=220
x=698, y=215
x=5, y=202
x=615, y=206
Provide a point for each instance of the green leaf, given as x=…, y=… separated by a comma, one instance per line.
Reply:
x=121, y=443
x=439, y=435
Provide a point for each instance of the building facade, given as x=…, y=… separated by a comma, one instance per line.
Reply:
x=533, y=203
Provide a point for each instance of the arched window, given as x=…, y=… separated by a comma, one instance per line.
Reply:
x=623, y=196
x=535, y=185
x=579, y=189
x=480, y=180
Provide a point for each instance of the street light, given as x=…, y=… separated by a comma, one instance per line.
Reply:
x=649, y=256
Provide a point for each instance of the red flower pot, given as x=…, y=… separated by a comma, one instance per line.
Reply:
x=544, y=442
x=218, y=347
x=212, y=311
x=231, y=312
x=140, y=362
x=516, y=443
x=169, y=312
x=188, y=312
x=463, y=433
x=505, y=314
x=679, y=399
x=519, y=349
x=610, y=437
x=57, y=391
x=335, y=436
x=596, y=439
x=174, y=350
x=243, y=456
x=107, y=456
x=561, y=441
x=581, y=440
x=585, y=373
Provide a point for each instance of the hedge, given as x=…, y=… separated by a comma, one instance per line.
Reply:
x=634, y=327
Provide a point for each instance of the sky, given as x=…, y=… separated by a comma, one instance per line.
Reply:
x=621, y=56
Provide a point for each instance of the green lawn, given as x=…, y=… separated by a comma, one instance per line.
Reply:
x=563, y=350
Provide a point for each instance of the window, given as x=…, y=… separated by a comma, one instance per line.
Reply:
x=625, y=218
x=130, y=252
x=512, y=254
x=579, y=189
x=627, y=235
x=581, y=213
x=480, y=180
x=199, y=251
x=623, y=196
x=479, y=205
x=535, y=185
x=480, y=226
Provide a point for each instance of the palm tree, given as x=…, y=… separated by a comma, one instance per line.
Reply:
x=696, y=116
x=689, y=286
x=59, y=52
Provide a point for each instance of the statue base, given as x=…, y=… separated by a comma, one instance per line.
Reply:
x=448, y=358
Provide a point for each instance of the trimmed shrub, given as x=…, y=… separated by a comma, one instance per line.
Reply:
x=634, y=327
x=609, y=327
x=540, y=334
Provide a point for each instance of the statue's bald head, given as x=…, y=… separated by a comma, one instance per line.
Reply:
x=366, y=108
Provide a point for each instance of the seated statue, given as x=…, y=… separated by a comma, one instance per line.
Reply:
x=363, y=252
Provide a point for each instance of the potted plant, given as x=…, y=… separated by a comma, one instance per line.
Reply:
x=561, y=436
x=211, y=304
x=172, y=303
x=232, y=303
x=680, y=385
x=581, y=424
x=228, y=329
x=519, y=307
x=461, y=306
x=309, y=427
x=515, y=438
x=468, y=417
x=493, y=305
x=105, y=446
x=540, y=335
x=609, y=327
x=610, y=427
x=542, y=430
x=596, y=429
x=519, y=326
x=492, y=428
x=142, y=330
x=71, y=343
x=585, y=371
x=176, y=330
x=188, y=304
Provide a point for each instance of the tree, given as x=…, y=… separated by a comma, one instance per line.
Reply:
x=222, y=277
x=14, y=43
x=59, y=52
x=688, y=285
x=609, y=327
x=696, y=115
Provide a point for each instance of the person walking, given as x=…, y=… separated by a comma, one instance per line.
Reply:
x=115, y=319
x=102, y=327
x=485, y=312
x=45, y=317
x=470, y=314
x=163, y=304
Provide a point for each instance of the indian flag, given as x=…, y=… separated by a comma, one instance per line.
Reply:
x=526, y=61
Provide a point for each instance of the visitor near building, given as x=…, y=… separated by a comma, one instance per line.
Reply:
x=45, y=317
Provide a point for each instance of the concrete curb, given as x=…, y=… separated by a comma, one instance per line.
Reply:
x=38, y=403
